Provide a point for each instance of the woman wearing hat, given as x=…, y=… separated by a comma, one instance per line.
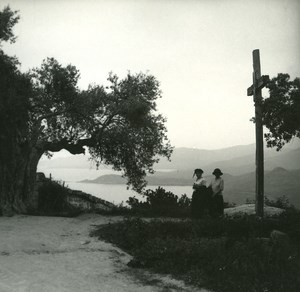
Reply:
x=217, y=186
x=199, y=198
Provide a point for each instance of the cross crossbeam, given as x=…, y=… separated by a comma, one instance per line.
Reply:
x=260, y=84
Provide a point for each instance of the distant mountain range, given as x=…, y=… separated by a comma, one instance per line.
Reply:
x=282, y=170
x=233, y=160
x=278, y=182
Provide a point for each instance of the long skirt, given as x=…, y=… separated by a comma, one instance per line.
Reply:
x=200, y=203
x=217, y=206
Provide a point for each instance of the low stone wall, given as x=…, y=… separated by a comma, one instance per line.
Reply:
x=87, y=203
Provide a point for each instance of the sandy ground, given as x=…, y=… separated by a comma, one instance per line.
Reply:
x=45, y=254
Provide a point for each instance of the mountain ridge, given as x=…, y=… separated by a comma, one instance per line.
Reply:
x=278, y=182
x=234, y=160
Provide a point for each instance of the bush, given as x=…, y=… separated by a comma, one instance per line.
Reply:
x=281, y=202
x=160, y=202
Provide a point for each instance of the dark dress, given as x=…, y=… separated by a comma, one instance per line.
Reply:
x=217, y=206
x=200, y=202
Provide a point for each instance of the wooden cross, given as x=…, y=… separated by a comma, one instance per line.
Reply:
x=258, y=83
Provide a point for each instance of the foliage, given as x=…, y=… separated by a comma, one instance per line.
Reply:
x=160, y=202
x=281, y=111
x=281, y=202
x=15, y=90
x=118, y=123
x=8, y=19
x=230, y=254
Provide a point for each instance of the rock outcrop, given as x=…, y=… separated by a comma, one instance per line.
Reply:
x=249, y=209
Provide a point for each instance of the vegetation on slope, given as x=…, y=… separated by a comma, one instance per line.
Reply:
x=241, y=253
x=230, y=254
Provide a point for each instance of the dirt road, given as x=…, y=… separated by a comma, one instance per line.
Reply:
x=47, y=254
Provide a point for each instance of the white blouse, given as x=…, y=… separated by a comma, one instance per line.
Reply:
x=217, y=185
x=200, y=182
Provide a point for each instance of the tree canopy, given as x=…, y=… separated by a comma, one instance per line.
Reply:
x=118, y=122
x=281, y=110
x=8, y=19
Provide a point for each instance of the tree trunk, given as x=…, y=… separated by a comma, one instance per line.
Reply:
x=17, y=179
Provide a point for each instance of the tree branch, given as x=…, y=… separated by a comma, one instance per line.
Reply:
x=73, y=148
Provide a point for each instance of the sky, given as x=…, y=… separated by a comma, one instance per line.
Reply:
x=200, y=51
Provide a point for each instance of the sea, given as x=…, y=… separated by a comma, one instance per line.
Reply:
x=115, y=193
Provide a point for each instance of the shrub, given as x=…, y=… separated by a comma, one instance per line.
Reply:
x=281, y=202
x=160, y=202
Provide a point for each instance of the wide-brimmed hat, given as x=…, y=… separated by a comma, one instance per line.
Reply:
x=217, y=171
x=197, y=170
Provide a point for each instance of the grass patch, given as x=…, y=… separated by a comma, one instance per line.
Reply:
x=229, y=254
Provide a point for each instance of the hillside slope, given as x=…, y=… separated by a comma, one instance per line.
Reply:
x=278, y=182
x=289, y=159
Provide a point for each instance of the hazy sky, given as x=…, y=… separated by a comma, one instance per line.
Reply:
x=200, y=51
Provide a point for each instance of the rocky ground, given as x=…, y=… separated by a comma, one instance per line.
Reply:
x=249, y=209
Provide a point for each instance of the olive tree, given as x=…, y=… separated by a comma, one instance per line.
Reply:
x=44, y=110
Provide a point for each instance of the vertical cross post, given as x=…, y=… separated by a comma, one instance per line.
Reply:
x=259, y=205
x=258, y=83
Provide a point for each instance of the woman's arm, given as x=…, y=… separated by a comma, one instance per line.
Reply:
x=221, y=185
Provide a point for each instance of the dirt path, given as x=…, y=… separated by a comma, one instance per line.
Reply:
x=56, y=254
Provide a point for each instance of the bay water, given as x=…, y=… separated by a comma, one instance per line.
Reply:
x=115, y=193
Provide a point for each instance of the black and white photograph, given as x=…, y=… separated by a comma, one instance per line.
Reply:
x=149, y=146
